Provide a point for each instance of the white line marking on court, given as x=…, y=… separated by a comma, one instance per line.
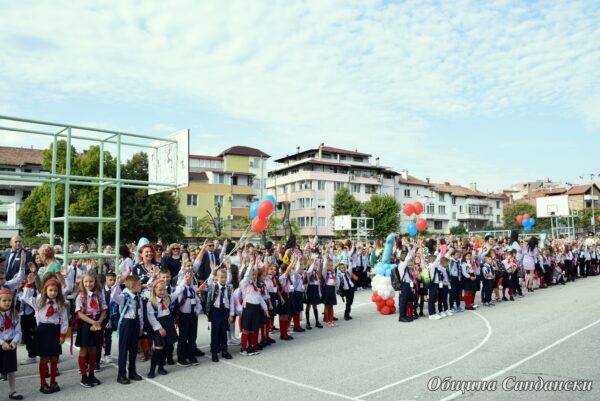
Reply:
x=485, y=340
x=284, y=380
x=522, y=361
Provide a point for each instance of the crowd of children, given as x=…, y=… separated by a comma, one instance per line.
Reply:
x=152, y=300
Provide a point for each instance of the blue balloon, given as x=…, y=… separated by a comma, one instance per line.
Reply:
x=254, y=209
x=412, y=229
x=270, y=198
x=379, y=269
x=532, y=221
x=388, y=248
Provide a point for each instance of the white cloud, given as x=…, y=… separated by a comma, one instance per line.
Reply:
x=315, y=71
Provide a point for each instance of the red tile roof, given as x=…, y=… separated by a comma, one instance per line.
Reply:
x=244, y=151
x=343, y=151
x=20, y=156
x=203, y=157
x=582, y=189
x=413, y=181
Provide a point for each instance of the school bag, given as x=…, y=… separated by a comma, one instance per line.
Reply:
x=425, y=278
x=396, y=280
x=113, y=316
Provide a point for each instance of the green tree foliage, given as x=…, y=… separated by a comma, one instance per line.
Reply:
x=521, y=208
x=458, y=230
x=584, y=219
x=344, y=203
x=384, y=210
x=154, y=217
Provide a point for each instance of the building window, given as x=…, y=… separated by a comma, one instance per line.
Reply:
x=407, y=193
x=453, y=215
x=27, y=170
x=3, y=217
x=7, y=169
x=454, y=200
x=192, y=200
x=438, y=225
x=219, y=200
x=430, y=208
x=355, y=188
x=7, y=192
x=337, y=185
x=441, y=197
x=190, y=220
x=321, y=185
x=460, y=209
x=497, y=218
x=497, y=204
x=322, y=222
x=442, y=209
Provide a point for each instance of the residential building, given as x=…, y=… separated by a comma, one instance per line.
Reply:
x=14, y=193
x=309, y=180
x=580, y=196
x=227, y=182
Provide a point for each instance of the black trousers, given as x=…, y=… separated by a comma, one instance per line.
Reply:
x=443, y=299
x=405, y=294
x=433, y=294
x=488, y=288
x=188, y=331
x=28, y=326
x=454, y=292
x=218, y=329
x=129, y=334
x=349, y=297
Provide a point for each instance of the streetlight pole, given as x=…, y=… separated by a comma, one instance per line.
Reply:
x=592, y=176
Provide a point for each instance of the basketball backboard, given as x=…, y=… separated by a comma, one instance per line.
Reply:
x=169, y=162
x=552, y=206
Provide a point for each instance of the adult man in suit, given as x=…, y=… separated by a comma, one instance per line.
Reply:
x=13, y=257
x=205, y=258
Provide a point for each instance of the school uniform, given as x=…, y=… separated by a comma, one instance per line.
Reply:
x=92, y=306
x=347, y=289
x=271, y=285
x=407, y=280
x=330, y=288
x=28, y=323
x=488, y=282
x=253, y=304
x=189, y=308
x=438, y=291
x=160, y=317
x=10, y=332
x=221, y=306
x=298, y=294
x=52, y=323
x=455, y=276
x=287, y=287
x=313, y=289
x=131, y=321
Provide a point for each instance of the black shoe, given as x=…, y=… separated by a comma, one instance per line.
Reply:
x=194, y=361
x=170, y=361
x=299, y=330
x=415, y=317
x=504, y=299
x=270, y=340
x=85, y=382
x=16, y=396
x=183, y=362
x=151, y=375
x=335, y=319
x=161, y=371
x=308, y=327
x=95, y=382
x=215, y=357
x=347, y=318
x=124, y=380
x=134, y=376
x=512, y=298
x=198, y=352
x=469, y=308
x=226, y=355
x=288, y=338
x=274, y=328
x=421, y=314
x=405, y=320
x=54, y=387
x=319, y=326
x=98, y=368
x=45, y=389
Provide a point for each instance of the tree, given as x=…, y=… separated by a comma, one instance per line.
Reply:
x=344, y=203
x=458, y=230
x=521, y=208
x=384, y=210
x=202, y=228
x=584, y=219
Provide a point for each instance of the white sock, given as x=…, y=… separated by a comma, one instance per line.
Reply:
x=12, y=382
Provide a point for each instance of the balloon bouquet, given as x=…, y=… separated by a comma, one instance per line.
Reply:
x=526, y=221
x=415, y=226
x=260, y=212
x=383, y=293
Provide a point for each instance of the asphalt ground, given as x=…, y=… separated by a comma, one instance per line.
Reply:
x=552, y=334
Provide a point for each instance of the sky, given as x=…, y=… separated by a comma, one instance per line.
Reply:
x=494, y=92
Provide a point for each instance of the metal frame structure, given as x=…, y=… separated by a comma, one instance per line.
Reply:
x=101, y=137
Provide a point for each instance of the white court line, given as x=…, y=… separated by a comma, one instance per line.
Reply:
x=485, y=340
x=287, y=381
x=522, y=361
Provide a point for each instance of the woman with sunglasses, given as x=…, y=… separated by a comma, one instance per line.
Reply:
x=173, y=261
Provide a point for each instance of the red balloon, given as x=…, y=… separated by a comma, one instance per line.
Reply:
x=520, y=219
x=386, y=310
x=394, y=309
x=375, y=293
x=259, y=224
x=379, y=308
x=378, y=299
x=265, y=208
x=418, y=206
x=409, y=209
x=421, y=224
x=526, y=216
x=389, y=302
x=598, y=218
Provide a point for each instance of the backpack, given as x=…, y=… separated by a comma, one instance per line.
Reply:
x=396, y=280
x=113, y=315
x=425, y=278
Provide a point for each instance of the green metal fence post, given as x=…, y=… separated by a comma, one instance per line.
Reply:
x=118, y=206
x=100, y=207
x=53, y=190
x=67, y=201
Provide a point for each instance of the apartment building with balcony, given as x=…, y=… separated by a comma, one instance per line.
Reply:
x=309, y=180
x=231, y=181
x=13, y=194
